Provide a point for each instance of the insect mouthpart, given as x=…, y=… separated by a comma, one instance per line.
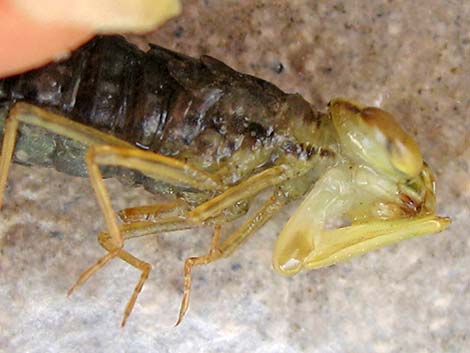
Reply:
x=417, y=195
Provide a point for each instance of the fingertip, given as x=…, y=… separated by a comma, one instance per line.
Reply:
x=26, y=43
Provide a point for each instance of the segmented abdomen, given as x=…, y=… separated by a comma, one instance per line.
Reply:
x=106, y=84
x=193, y=109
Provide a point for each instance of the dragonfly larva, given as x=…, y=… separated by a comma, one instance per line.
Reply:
x=211, y=139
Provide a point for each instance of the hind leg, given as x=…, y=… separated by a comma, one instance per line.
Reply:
x=24, y=113
x=113, y=251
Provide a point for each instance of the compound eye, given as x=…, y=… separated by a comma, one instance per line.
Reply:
x=402, y=149
x=372, y=135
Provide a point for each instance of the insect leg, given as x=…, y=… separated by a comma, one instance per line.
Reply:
x=172, y=170
x=152, y=212
x=228, y=246
x=138, y=229
x=175, y=172
x=113, y=251
x=169, y=222
x=214, y=206
x=160, y=167
x=129, y=231
x=193, y=261
x=29, y=114
x=244, y=190
x=153, y=165
x=8, y=145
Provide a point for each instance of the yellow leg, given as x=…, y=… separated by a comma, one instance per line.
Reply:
x=153, y=165
x=175, y=172
x=152, y=212
x=169, y=170
x=144, y=267
x=29, y=114
x=129, y=231
x=101, y=153
x=113, y=252
x=139, y=229
x=226, y=248
x=245, y=190
x=193, y=261
x=9, y=138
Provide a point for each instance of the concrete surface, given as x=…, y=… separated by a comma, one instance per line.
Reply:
x=409, y=57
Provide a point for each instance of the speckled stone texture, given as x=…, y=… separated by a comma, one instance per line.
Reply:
x=409, y=57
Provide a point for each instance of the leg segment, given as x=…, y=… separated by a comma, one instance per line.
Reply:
x=154, y=165
x=175, y=172
x=113, y=251
x=245, y=190
x=188, y=265
x=128, y=231
x=152, y=212
x=226, y=248
x=121, y=153
x=138, y=229
x=29, y=114
x=107, y=243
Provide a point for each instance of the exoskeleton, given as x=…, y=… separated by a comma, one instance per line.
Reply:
x=211, y=139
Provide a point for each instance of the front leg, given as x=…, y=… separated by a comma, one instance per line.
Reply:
x=224, y=249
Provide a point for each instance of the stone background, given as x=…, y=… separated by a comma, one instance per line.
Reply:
x=409, y=57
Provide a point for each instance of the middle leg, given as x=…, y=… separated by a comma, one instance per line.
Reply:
x=217, y=251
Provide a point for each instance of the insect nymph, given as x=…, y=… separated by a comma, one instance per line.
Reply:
x=212, y=139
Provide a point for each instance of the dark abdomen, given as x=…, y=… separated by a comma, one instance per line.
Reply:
x=197, y=110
